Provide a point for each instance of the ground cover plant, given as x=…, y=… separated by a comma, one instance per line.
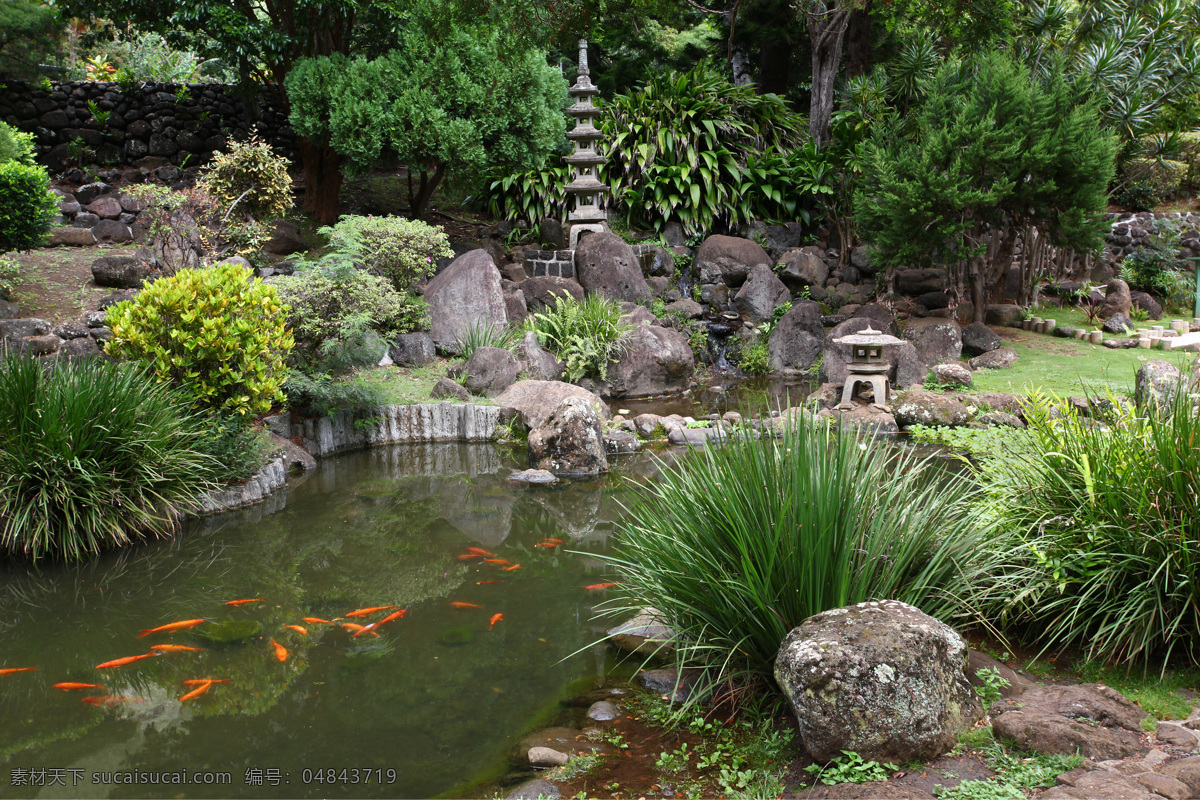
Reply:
x=739, y=544
x=93, y=455
x=1108, y=528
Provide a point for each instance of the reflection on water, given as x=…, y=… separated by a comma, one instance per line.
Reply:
x=437, y=697
x=725, y=392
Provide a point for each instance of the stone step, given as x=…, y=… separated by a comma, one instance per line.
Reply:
x=1184, y=341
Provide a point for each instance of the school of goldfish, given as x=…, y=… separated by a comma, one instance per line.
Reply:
x=201, y=686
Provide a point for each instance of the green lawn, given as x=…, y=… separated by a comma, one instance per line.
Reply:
x=1069, y=366
x=406, y=385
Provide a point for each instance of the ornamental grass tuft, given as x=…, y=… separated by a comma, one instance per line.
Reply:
x=1107, y=518
x=738, y=544
x=93, y=455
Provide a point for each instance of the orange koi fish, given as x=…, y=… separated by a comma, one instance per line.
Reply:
x=553, y=541
x=120, y=662
x=176, y=648
x=595, y=587
x=480, y=551
x=280, y=651
x=70, y=687
x=11, y=670
x=243, y=602
x=171, y=627
x=315, y=621
x=485, y=583
x=354, y=627
x=469, y=556
x=198, y=681
x=510, y=569
x=545, y=544
x=458, y=604
x=362, y=612
x=297, y=629
x=495, y=618
x=371, y=628
x=201, y=689
x=499, y=561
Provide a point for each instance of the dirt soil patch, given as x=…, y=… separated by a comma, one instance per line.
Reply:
x=56, y=283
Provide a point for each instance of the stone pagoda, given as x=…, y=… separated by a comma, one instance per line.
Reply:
x=589, y=213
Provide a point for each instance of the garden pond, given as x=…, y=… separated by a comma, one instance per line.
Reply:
x=430, y=706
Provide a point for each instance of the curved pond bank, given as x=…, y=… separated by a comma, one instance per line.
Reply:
x=430, y=705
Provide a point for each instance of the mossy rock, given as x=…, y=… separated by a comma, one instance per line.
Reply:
x=455, y=636
x=229, y=631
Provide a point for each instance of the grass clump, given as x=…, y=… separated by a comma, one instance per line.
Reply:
x=93, y=455
x=585, y=335
x=738, y=545
x=1107, y=557
x=484, y=334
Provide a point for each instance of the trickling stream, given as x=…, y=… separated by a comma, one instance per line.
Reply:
x=431, y=704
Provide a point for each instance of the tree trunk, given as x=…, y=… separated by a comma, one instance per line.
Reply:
x=827, y=21
x=859, y=41
x=428, y=184
x=322, y=180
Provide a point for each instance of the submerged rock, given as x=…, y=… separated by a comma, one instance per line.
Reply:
x=229, y=631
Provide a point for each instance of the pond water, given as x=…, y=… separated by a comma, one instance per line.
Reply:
x=723, y=392
x=431, y=705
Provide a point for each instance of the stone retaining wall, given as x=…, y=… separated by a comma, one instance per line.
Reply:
x=258, y=488
x=442, y=422
x=1131, y=231
x=152, y=125
x=561, y=263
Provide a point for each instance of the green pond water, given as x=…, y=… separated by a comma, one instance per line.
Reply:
x=429, y=707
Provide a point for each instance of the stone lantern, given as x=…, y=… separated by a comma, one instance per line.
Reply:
x=866, y=364
x=589, y=213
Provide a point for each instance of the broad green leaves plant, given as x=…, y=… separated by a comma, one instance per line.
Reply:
x=584, y=335
x=217, y=333
x=249, y=180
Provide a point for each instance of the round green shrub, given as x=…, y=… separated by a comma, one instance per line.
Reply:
x=404, y=251
x=93, y=455
x=27, y=209
x=15, y=145
x=217, y=332
x=252, y=179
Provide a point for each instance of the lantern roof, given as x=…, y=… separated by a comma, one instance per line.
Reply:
x=868, y=336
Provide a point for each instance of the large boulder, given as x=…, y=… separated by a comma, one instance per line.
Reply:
x=1146, y=303
x=978, y=339
x=883, y=317
x=656, y=361
x=760, y=294
x=880, y=679
x=1156, y=383
x=1117, y=299
x=938, y=341
x=904, y=367
x=105, y=207
x=489, y=371
x=120, y=272
x=802, y=267
x=797, y=339
x=1091, y=719
x=1003, y=314
x=605, y=264
x=535, y=361
x=286, y=238
x=465, y=294
x=919, y=407
x=570, y=442
x=544, y=291
x=70, y=237
x=915, y=282
x=1003, y=358
x=412, y=350
x=535, y=400
x=728, y=259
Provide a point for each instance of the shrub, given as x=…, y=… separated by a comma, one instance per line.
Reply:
x=16, y=145
x=1162, y=177
x=1108, y=556
x=71, y=486
x=1153, y=268
x=326, y=394
x=328, y=301
x=237, y=448
x=737, y=545
x=9, y=271
x=251, y=180
x=755, y=359
x=402, y=250
x=585, y=335
x=218, y=332
x=27, y=209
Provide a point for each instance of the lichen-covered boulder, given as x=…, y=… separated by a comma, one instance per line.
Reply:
x=535, y=361
x=605, y=264
x=543, y=291
x=978, y=339
x=489, y=371
x=803, y=266
x=955, y=373
x=938, y=341
x=1002, y=358
x=656, y=360
x=1117, y=299
x=797, y=339
x=881, y=679
x=1156, y=383
x=760, y=294
x=1091, y=719
x=412, y=350
x=464, y=295
x=534, y=401
x=919, y=407
x=570, y=442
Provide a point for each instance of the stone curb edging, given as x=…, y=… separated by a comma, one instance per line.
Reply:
x=396, y=424
x=260, y=485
